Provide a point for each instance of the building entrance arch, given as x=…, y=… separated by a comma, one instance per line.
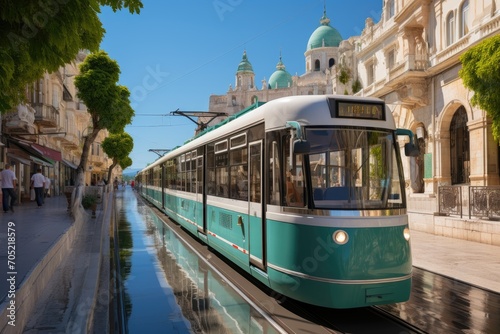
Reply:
x=459, y=147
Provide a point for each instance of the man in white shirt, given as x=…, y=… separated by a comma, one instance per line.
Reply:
x=9, y=181
x=38, y=183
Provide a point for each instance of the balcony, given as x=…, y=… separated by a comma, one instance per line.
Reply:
x=97, y=160
x=46, y=115
x=21, y=120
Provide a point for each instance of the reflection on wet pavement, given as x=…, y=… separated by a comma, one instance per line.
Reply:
x=442, y=305
x=167, y=288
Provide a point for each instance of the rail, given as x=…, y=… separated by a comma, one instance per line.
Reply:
x=478, y=201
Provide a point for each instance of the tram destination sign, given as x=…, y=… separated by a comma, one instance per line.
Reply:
x=362, y=110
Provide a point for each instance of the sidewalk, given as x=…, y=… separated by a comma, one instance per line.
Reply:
x=36, y=231
x=51, y=247
x=467, y=261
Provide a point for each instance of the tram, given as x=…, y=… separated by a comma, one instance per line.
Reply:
x=305, y=193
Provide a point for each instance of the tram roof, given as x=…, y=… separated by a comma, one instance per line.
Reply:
x=304, y=110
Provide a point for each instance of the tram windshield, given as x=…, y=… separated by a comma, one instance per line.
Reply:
x=355, y=168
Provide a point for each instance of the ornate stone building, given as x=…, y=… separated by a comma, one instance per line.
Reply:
x=411, y=59
x=47, y=131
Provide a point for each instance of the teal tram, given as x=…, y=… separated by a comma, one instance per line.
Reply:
x=305, y=193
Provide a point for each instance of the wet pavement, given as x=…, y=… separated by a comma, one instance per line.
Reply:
x=168, y=287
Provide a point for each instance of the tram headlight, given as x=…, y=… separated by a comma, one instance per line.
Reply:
x=406, y=233
x=340, y=237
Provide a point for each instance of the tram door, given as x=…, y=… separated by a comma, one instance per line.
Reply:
x=256, y=236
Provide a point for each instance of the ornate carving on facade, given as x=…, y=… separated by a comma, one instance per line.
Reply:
x=413, y=93
x=21, y=119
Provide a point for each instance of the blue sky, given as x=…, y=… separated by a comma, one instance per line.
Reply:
x=175, y=54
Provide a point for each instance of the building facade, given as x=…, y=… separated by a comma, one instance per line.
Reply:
x=48, y=131
x=411, y=60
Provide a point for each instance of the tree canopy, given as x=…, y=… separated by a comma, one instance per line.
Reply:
x=40, y=36
x=481, y=73
x=107, y=102
x=118, y=146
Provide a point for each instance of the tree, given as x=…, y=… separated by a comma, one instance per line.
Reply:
x=481, y=73
x=40, y=36
x=107, y=102
x=118, y=146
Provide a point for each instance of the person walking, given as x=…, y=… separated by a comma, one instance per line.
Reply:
x=9, y=181
x=38, y=183
x=47, y=188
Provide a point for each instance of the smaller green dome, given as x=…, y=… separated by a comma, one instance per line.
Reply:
x=280, y=78
x=324, y=35
x=244, y=65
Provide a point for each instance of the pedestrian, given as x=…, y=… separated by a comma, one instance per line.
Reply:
x=47, y=187
x=38, y=183
x=100, y=182
x=9, y=181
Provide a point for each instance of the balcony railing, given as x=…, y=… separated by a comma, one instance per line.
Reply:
x=46, y=115
x=478, y=201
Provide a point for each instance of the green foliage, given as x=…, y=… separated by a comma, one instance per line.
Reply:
x=345, y=75
x=107, y=102
x=125, y=162
x=40, y=36
x=118, y=146
x=356, y=86
x=481, y=73
x=88, y=201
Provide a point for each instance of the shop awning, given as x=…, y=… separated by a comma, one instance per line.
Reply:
x=69, y=164
x=30, y=153
x=18, y=159
x=41, y=162
x=47, y=152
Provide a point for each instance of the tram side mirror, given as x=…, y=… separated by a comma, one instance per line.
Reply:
x=301, y=147
x=411, y=150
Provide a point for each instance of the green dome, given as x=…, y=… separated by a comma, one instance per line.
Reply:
x=244, y=65
x=280, y=78
x=324, y=35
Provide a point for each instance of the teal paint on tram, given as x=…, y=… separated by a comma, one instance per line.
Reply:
x=305, y=193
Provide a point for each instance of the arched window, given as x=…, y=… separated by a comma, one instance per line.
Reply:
x=464, y=18
x=450, y=29
x=316, y=65
x=331, y=62
x=238, y=82
x=459, y=147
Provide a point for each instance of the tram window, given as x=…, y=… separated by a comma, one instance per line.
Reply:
x=221, y=146
x=238, y=159
x=355, y=168
x=179, y=173
x=238, y=141
x=239, y=156
x=199, y=175
x=274, y=174
x=221, y=182
x=239, y=182
x=221, y=175
x=255, y=160
x=210, y=169
x=187, y=174
x=294, y=189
